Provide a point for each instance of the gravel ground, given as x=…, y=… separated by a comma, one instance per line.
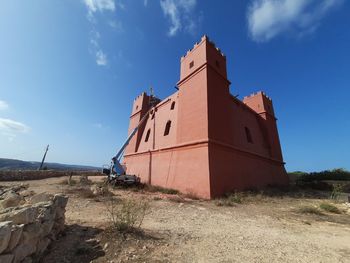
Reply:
x=181, y=230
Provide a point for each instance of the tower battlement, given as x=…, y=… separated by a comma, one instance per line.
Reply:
x=260, y=103
x=209, y=42
x=203, y=53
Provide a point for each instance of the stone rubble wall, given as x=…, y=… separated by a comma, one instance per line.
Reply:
x=29, y=223
x=22, y=175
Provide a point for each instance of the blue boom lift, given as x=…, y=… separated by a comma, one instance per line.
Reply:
x=115, y=172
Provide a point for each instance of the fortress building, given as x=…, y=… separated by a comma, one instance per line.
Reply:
x=202, y=140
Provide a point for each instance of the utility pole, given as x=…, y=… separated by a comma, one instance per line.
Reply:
x=43, y=160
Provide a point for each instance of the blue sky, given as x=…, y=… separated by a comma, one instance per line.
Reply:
x=70, y=70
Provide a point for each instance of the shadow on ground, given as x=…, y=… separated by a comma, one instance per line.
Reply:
x=77, y=244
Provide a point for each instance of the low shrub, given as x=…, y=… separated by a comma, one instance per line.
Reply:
x=330, y=208
x=309, y=210
x=337, y=190
x=159, y=189
x=127, y=214
x=69, y=181
x=230, y=199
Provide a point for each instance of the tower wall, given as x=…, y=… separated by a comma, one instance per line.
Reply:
x=139, y=109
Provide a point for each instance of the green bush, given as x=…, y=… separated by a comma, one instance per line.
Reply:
x=309, y=210
x=338, y=174
x=330, y=208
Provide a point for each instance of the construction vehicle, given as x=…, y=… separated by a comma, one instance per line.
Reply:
x=115, y=171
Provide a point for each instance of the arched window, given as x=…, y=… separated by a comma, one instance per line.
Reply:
x=167, y=128
x=147, y=135
x=172, y=105
x=248, y=135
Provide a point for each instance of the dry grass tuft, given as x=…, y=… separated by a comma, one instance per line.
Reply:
x=97, y=193
x=230, y=199
x=330, y=208
x=309, y=210
x=127, y=214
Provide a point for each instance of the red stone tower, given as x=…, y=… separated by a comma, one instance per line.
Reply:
x=201, y=139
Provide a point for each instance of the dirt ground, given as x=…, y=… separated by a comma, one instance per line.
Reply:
x=178, y=229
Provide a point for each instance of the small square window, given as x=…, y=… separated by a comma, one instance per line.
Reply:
x=191, y=64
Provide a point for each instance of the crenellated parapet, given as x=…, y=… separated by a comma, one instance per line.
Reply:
x=206, y=39
x=257, y=93
x=259, y=102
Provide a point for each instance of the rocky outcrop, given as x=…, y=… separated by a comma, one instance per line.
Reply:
x=26, y=230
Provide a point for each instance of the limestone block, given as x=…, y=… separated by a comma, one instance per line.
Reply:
x=60, y=212
x=42, y=245
x=31, y=232
x=10, y=199
x=46, y=211
x=60, y=200
x=46, y=227
x=26, y=193
x=6, y=258
x=42, y=197
x=16, y=233
x=23, y=250
x=5, y=235
x=58, y=226
x=19, y=215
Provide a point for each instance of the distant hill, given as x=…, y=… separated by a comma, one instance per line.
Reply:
x=13, y=164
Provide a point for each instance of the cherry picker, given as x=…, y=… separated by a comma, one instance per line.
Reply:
x=115, y=172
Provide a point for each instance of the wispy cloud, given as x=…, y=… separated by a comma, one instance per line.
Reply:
x=100, y=6
x=8, y=125
x=179, y=13
x=3, y=105
x=116, y=25
x=101, y=58
x=10, y=128
x=145, y=2
x=269, y=18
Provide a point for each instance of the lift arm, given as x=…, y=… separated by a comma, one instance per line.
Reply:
x=116, y=159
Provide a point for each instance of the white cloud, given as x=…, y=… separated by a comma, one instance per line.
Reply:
x=9, y=128
x=145, y=2
x=101, y=58
x=3, y=105
x=179, y=12
x=269, y=18
x=99, y=5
